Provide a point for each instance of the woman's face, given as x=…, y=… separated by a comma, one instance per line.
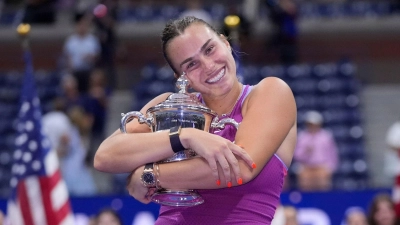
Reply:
x=107, y=219
x=205, y=57
x=385, y=214
x=357, y=218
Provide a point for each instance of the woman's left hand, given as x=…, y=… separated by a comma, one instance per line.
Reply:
x=136, y=188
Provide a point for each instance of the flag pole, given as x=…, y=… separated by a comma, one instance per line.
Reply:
x=23, y=31
x=39, y=195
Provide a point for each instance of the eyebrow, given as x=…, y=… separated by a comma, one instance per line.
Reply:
x=201, y=49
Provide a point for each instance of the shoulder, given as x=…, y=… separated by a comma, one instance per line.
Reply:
x=271, y=96
x=270, y=84
x=272, y=88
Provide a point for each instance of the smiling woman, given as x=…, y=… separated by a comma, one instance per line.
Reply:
x=234, y=189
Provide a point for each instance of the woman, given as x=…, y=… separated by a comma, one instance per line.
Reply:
x=382, y=211
x=267, y=135
x=107, y=216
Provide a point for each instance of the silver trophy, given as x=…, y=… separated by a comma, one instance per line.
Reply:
x=185, y=110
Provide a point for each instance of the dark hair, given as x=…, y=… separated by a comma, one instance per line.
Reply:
x=111, y=211
x=382, y=197
x=175, y=28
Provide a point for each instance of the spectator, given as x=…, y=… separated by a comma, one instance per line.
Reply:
x=316, y=154
x=105, y=31
x=381, y=211
x=1, y=218
x=393, y=141
x=283, y=16
x=290, y=215
x=65, y=139
x=77, y=107
x=355, y=216
x=82, y=49
x=98, y=96
x=108, y=217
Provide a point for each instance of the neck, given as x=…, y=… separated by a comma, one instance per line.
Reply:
x=223, y=106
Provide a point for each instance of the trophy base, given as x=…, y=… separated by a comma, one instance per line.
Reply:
x=177, y=198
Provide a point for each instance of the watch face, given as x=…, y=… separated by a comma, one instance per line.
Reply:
x=148, y=178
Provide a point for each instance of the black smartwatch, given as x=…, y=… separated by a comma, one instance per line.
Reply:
x=148, y=177
x=174, y=139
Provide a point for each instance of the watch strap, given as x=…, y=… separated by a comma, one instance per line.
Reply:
x=174, y=139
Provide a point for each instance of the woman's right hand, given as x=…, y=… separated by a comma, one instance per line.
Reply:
x=214, y=148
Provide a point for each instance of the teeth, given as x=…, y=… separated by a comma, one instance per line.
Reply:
x=217, y=78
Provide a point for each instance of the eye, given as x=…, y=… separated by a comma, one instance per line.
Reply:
x=191, y=64
x=209, y=49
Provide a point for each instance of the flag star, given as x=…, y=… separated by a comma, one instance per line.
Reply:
x=20, y=127
x=14, y=169
x=33, y=145
x=29, y=125
x=21, y=170
x=13, y=182
x=27, y=157
x=25, y=107
x=36, y=165
x=17, y=154
x=21, y=139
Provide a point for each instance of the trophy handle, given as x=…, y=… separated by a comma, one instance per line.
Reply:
x=220, y=124
x=127, y=117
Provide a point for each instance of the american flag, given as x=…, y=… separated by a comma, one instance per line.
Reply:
x=39, y=195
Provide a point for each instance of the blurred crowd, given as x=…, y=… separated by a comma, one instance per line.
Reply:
x=77, y=120
x=380, y=211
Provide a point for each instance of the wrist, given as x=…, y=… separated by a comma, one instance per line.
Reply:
x=175, y=139
x=185, y=137
x=148, y=176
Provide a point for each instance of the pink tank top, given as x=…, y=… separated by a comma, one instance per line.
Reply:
x=253, y=203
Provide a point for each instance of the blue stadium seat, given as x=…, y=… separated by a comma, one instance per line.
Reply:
x=303, y=86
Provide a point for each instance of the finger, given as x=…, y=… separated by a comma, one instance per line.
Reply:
x=214, y=168
x=241, y=152
x=234, y=165
x=226, y=169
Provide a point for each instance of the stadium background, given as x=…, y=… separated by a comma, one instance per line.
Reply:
x=348, y=67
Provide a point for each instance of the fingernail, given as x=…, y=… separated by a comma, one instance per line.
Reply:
x=218, y=182
x=253, y=166
x=241, y=146
x=240, y=181
x=229, y=184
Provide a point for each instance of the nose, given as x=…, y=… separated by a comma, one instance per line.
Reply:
x=208, y=64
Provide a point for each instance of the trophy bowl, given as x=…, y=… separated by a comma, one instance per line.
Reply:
x=185, y=110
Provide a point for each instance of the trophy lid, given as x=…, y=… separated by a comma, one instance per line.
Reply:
x=183, y=100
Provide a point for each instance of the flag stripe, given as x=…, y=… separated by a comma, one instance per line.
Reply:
x=51, y=162
x=68, y=220
x=34, y=194
x=59, y=195
x=24, y=204
x=14, y=213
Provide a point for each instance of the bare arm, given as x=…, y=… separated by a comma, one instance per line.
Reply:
x=269, y=123
x=124, y=152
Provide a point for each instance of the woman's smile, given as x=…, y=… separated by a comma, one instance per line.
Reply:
x=217, y=77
